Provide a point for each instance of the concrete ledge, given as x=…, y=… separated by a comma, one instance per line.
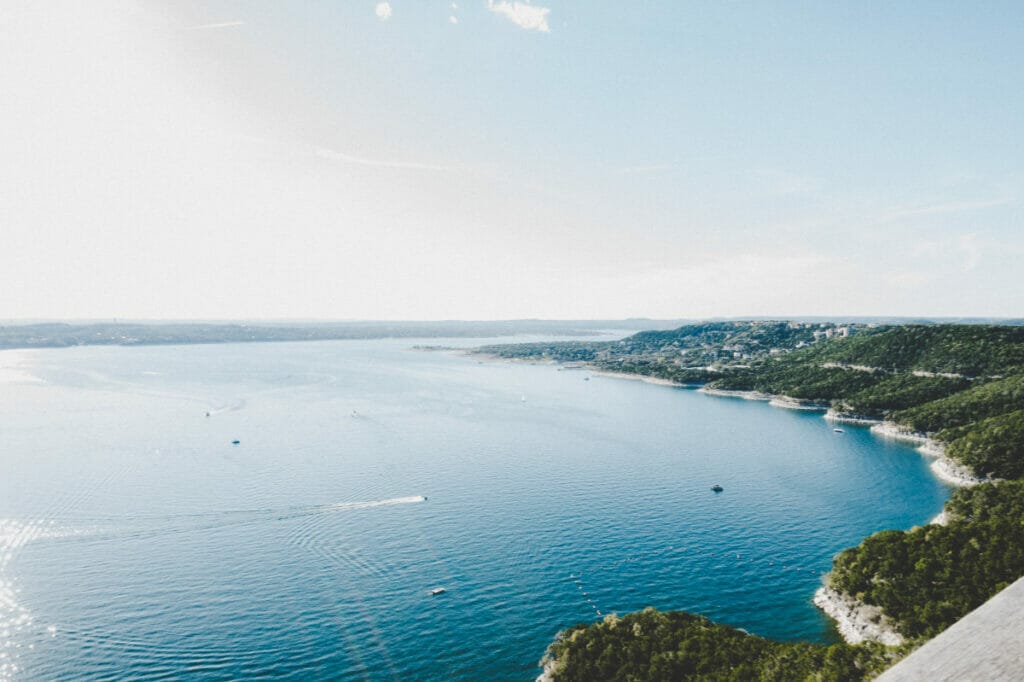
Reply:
x=986, y=644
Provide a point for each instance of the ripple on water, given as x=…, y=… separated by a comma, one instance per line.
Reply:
x=294, y=555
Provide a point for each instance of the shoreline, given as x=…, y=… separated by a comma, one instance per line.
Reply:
x=657, y=381
x=743, y=395
x=856, y=621
x=944, y=468
x=548, y=671
x=784, y=402
x=846, y=418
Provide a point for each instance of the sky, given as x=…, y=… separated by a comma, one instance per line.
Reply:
x=493, y=159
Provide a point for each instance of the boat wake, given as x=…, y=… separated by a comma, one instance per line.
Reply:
x=232, y=406
x=14, y=533
x=339, y=506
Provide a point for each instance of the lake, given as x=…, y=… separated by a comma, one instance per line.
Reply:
x=136, y=540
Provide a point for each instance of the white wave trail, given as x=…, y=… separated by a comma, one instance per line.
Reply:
x=233, y=406
x=339, y=506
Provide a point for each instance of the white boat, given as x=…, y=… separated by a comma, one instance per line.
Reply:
x=436, y=591
x=837, y=430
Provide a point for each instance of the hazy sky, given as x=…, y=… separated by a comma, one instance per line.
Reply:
x=420, y=159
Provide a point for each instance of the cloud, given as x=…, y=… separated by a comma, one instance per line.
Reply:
x=642, y=170
x=945, y=207
x=383, y=10
x=222, y=24
x=332, y=155
x=523, y=15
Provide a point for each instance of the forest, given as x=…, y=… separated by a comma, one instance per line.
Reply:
x=674, y=645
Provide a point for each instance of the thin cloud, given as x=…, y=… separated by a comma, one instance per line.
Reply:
x=383, y=11
x=642, y=170
x=946, y=207
x=221, y=24
x=333, y=155
x=522, y=15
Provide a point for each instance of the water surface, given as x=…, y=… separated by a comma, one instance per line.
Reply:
x=137, y=541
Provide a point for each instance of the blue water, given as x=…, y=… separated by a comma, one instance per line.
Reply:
x=137, y=541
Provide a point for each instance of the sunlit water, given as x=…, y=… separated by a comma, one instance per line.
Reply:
x=137, y=541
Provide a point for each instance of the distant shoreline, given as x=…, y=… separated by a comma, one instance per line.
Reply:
x=65, y=335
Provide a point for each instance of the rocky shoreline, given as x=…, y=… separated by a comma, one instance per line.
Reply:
x=787, y=403
x=848, y=418
x=550, y=665
x=856, y=621
x=658, y=381
x=745, y=395
x=943, y=467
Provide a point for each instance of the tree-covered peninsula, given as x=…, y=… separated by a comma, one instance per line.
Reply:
x=958, y=388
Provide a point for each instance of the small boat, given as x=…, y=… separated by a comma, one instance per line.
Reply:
x=586, y=378
x=436, y=591
x=838, y=430
x=235, y=442
x=717, y=488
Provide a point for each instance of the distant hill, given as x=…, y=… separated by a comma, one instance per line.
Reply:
x=63, y=334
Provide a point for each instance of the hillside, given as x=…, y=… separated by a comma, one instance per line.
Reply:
x=960, y=385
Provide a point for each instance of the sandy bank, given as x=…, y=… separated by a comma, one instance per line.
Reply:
x=783, y=401
x=471, y=353
x=894, y=431
x=848, y=418
x=856, y=621
x=745, y=395
x=955, y=473
x=658, y=381
x=787, y=403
